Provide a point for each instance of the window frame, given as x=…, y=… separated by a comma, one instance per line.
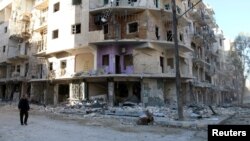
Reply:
x=55, y=34
x=128, y=27
x=56, y=7
x=104, y=59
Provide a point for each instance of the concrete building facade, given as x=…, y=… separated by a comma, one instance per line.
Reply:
x=58, y=51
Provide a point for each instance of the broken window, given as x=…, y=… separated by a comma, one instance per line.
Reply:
x=56, y=7
x=170, y=62
x=76, y=28
x=128, y=60
x=132, y=27
x=105, y=60
x=63, y=64
x=76, y=2
x=55, y=34
x=106, y=29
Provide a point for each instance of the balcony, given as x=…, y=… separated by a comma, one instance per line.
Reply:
x=41, y=47
x=41, y=4
x=198, y=37
x=95, y=4
x=42, y=25
x=25, y=17
x=198, y=16
x=198, y=60
x=15, y=54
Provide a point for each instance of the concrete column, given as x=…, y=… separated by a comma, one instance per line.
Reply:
x=71, y=93
x=56, y=94
x=82, y=89
x=111, y=94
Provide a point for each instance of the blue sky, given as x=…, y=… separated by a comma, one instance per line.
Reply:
x=232, y=16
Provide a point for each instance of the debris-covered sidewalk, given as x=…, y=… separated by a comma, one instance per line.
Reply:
x=196, y=116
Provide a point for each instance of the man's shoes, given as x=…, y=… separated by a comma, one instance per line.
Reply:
x=21, y=123
x=25, y=123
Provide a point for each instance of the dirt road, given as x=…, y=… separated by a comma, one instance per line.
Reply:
x=47, y=127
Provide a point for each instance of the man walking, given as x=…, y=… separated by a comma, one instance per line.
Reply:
x=24, y=107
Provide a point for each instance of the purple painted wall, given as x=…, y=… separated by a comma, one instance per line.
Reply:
x=112, y=51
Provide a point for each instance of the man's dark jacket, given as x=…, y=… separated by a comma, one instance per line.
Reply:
x=23, y=105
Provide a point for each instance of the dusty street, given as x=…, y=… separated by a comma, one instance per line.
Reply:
x=46, y=127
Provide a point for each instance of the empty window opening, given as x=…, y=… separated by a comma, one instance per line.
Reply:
x=56, y=7
x=128, y=60
x=162, y=64
x=170, y=62
x=4, y=48
x=18, y=68
x=133, y=27
x=169, y=35
x=117, y=2
x=156, y=3
x=55, y=34
x=63, y=64
x=106, y=29
x=167, y=6
x=76, y=29
x=50, y=66
x=157, y=32
x=181, y=37
x=105, y=60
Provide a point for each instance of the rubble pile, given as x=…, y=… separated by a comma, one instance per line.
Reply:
x=145, y=115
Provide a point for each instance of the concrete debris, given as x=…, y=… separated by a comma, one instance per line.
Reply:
x=146, y=118
x=141, y=115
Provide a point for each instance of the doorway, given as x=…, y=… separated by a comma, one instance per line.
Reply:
x=117, y=64
x=63, y=92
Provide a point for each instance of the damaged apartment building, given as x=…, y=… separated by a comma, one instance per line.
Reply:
x=119, y=50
